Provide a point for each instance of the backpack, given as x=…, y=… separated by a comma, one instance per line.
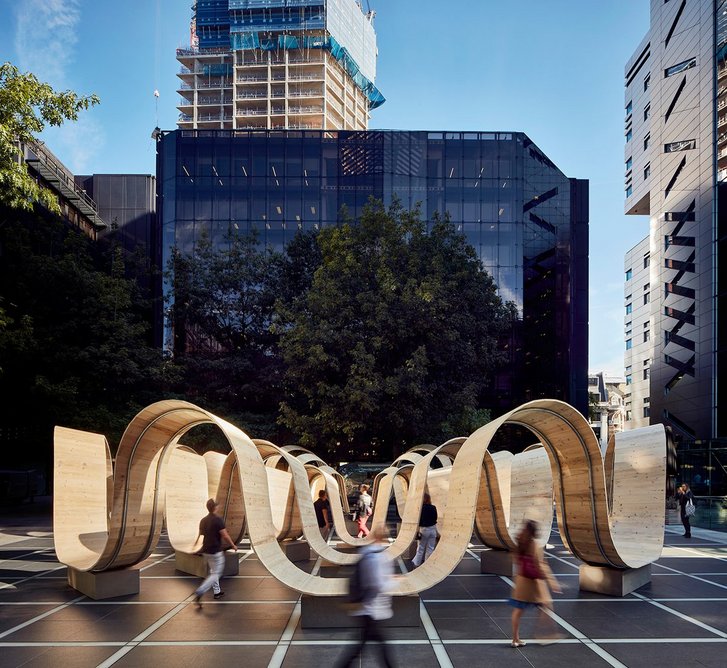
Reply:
x=359, y=589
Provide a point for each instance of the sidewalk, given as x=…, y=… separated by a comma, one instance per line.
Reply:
x=679, y=618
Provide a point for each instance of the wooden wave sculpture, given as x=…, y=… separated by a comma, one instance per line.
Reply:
x=106, y=520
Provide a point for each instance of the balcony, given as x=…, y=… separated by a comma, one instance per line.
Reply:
x=305, y=110
x=251, y=95
x=305, y=93
x=251, y=112
x=251, y=79
x=214, y=84
x=306, y=77
x=200, y=53
x=204, y=101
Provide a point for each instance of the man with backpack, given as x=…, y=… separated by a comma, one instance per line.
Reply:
x=369, y=587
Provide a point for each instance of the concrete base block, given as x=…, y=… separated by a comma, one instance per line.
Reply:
x=332, y=612
x=194, y=564
x=296, y=550
x=107, y=584
x=613, y=581
x=496, y=562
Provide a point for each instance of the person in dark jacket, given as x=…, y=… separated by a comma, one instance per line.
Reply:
x=322, y=506
x=684, y=496
x=427, y=531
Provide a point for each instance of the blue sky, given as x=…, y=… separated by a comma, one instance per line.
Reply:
x=552, y=69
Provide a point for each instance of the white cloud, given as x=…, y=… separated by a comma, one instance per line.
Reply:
x=45, y=40
x=77, y=143
x=46, y=34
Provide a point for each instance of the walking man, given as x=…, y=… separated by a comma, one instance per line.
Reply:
x=377, y=575
x=213, y=532
x=323, y=513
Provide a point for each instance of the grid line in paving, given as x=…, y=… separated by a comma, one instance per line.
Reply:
x=679, y=616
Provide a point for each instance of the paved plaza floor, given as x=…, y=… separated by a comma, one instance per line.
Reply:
x=680, y=618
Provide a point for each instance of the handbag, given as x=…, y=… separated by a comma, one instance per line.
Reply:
x=529, y=567
x=690, y=508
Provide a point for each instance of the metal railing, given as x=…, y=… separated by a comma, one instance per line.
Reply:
x=711, y=513
x=305, y=110
x=63, y=174
x=305, y=93
x=203, y=52
x=306, y=77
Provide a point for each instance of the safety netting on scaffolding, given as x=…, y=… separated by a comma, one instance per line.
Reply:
x=256, y=40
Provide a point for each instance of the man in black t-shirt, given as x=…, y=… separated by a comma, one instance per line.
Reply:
x=323, y=512
x=213, y=531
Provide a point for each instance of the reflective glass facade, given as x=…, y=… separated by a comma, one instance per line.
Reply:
x=528, y=222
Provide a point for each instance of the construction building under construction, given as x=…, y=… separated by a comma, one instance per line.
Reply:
x=279, y=64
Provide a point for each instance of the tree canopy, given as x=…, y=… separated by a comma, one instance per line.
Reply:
x=26, y=107
x=74, y=346
x=395, y=342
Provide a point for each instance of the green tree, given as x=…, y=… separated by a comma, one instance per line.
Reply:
x=75, y=350
x=222, y=312
x=396, y=341
x=26, y=107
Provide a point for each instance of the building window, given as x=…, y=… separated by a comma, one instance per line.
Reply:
x=629, y=134
x=679, y=216
x=647, y=260
x=647, y=81
x=628, y=416
x=647, y=171
x=646, y=335
x=629, y=164
x=629, y=274
x=628, y=309
x=675, y=69
x=647, y=112
x=628, y=344
x=628, y=379
x=647, y=297
x=629, y=108
x=647, y=139
x=646, y=411
x=685, y=145
x=646, y=374
x=629, y=191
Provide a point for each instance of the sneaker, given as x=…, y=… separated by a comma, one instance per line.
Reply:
x=517, y=643
x=197, y=600
x=219, y=594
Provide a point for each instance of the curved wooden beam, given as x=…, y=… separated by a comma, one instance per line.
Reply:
x=148, y=462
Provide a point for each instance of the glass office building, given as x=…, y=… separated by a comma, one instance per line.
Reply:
x=526, y=219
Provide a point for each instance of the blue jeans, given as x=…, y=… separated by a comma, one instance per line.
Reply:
x=427, y=544
x=215, y=566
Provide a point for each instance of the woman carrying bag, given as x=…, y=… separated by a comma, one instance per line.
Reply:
x=533, y=583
